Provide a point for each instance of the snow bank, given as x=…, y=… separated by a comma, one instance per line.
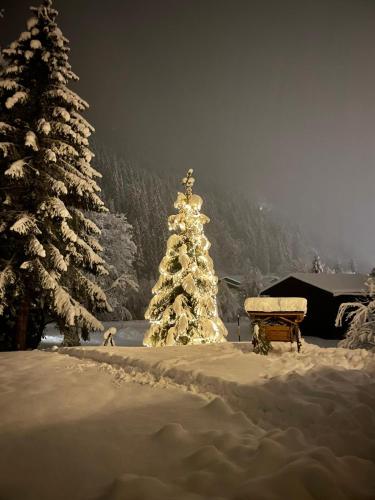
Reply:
x=276, y=304
x=192, y=423
x=231, y=370
x=303, y=424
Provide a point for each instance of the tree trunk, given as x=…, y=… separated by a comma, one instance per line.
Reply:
x=22, y=324
x=71, y=336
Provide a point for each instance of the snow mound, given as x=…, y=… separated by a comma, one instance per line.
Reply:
x=193, y=422
x=173, y=432
x=132, y=486
x=325, y=394
x=218, y=407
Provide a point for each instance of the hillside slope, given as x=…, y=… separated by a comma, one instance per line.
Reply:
x=244, y=237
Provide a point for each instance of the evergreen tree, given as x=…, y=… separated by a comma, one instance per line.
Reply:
x=352, y=266
x=361, y=319
x=317, y=266
x=119, y=253
x=260, y=343
x=338, y=268
x=183, y=309
x=48, y=246
x=2, y=15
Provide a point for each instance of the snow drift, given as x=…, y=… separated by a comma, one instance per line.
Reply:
x=301, y=424
x=192, y=423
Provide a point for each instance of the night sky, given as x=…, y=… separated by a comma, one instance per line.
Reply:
x=272, y=97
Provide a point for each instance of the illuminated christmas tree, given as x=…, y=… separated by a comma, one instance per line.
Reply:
x=183, y=309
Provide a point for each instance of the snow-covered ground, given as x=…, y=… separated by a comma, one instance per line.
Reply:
x=190, y=423
x=130, y=334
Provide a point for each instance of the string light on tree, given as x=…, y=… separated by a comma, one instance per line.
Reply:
x=183, y=309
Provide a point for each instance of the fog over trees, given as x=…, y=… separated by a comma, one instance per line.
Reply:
x=248, y=240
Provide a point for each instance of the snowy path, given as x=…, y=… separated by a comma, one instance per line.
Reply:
x=191, y=423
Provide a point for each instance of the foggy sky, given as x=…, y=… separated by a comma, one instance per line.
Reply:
x=273, y=97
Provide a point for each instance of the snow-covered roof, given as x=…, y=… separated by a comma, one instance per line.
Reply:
x=337, y=284
x=234, y=279
x=276, y=304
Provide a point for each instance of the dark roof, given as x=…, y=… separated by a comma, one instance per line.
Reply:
x=337, y=284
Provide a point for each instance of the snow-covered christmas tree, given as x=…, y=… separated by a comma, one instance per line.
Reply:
x=183, y=309
x=48, y=246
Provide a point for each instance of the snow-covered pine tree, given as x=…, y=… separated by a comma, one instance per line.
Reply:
x=352, y=268
x=2, y=15
x=338, y=268
x=48, y=246
x=183, y=309
x=317, y=266
x=119, y=253
x=260, y=343
x=361, y=319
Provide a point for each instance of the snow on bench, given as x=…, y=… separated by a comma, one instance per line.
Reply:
x=276, y=304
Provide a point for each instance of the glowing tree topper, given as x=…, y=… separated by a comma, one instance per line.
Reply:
x=183, y=309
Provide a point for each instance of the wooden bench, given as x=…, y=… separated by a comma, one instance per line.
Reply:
x=278, y=333
x=279, y=326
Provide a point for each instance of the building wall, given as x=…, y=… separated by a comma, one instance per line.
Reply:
x=322, y=307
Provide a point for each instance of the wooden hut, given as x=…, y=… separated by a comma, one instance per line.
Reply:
x=324, y=293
